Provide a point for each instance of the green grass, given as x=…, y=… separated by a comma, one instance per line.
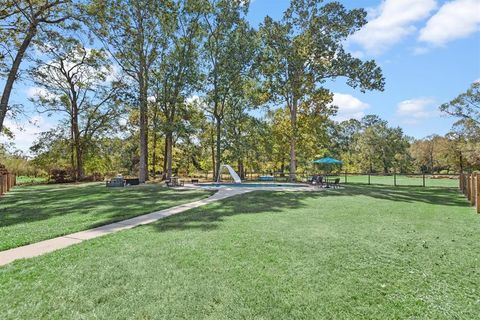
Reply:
x=24, y=180
x=32, y=213
x=402, y=180
x=357, y=253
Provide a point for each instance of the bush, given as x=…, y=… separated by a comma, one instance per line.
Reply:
x=61, y=176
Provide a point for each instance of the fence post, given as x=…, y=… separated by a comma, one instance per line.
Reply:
x=478, y=192
x=468, y=193
x=424, y=179
x=473, y=190
x=394, y=178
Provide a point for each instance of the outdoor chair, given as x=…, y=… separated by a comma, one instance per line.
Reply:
x=336, y=183
x=174, y=182
x=318, y=181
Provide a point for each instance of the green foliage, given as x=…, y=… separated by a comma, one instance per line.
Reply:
x=466, y=106
x=23, y=24
x=16, y=162
x=304, y=50
x=196, y=86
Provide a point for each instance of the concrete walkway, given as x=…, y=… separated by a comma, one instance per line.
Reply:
x=42, y=247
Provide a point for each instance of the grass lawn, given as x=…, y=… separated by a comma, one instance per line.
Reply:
x=402, y=180
x=34, y=213
x=21, y=180
x=365, y=252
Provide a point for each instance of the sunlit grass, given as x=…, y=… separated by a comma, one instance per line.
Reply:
x=363, y=252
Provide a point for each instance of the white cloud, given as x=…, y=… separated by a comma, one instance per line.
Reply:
x=38, y=92
x=391, y=22
x=26, y=132
x=349, y=107
x=413, y=110
x=193, y=99
x=454, y=20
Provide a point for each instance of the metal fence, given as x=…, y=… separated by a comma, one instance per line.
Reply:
x=394, y=179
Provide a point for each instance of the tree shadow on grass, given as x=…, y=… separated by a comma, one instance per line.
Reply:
x=445, y=196
x=207, y=218
x=271, y=202
x=105, y=205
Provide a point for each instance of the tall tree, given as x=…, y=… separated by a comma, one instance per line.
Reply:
x=75, y=82
x=134, y=33
x=466, y=131
x=229, y=55
x=176, y=75
x=20, y=22
x=305, y=49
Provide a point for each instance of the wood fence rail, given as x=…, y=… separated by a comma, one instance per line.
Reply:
x=7, y=180
x=469, y=184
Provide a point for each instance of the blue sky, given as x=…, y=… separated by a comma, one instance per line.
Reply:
x=429, y=51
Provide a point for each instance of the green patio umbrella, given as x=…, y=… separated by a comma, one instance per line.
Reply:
x=327, y=160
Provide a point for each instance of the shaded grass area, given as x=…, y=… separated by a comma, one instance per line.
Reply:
x=32, y=213
x=357, y=253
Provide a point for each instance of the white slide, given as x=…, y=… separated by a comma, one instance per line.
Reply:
x=232, y=172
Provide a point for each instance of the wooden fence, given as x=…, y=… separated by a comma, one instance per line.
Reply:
x=7, y=180
x=470, y=186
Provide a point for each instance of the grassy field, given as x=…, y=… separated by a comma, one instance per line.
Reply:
x=402, y=180
x=32, y=213
x=364, y=252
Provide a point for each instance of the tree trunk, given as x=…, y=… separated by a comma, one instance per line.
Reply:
x=213, y=160
x=293, y=142
x=218, y=147
x=241, y=169
x=72, y=147
x=461, y=162
x=165, y=155
x=154, y=152
x=143, y=164
x=143, y=91
x=78, y=152
x=169, y=153
x=12, y=74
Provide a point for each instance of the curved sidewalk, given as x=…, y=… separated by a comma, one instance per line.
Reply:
x=42, y=247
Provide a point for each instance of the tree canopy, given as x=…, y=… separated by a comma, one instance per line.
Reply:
x=154, y=89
